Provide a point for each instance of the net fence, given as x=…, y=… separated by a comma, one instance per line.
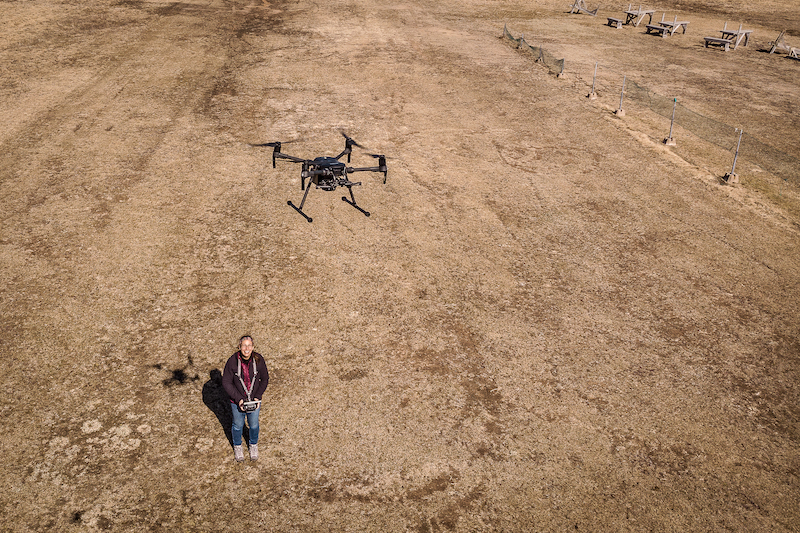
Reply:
x=769, y=158
x=554, y=65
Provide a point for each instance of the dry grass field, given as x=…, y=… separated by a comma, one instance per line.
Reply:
x=551, y=321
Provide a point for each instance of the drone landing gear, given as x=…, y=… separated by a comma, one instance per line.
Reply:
x=300, y=209
x=352, y=201
x=329, y=187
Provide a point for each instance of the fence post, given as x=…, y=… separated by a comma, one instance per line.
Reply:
x=669, y=141
x=731, y=176
x=621, y=112
x=592, y=95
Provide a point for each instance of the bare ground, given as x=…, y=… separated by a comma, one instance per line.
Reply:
x=550, y=322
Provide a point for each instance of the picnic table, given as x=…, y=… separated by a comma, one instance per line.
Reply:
x=736, y=36
x=666, y=27
x=635, y=16
x=673, y=26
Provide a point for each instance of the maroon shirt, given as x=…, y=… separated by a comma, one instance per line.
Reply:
x=231, y=383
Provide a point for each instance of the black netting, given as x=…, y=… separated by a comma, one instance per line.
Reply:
x=554, y=65
x=773, y=160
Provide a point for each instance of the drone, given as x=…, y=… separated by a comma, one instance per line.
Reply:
x=327, y=173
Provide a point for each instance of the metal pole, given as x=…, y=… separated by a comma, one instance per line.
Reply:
x=736, y=155
x=669, y=141
x=595, y=76
x=731, y=176
x=622, y=93
x=674, y=103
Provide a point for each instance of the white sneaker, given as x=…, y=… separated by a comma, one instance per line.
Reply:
x=238, y=453
x=254, y=452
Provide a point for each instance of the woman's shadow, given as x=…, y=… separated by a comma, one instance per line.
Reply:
x=217, y=400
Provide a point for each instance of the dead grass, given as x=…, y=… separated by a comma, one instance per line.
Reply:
x=550, y=322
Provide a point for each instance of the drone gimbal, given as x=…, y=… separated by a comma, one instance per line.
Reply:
x=327, y=173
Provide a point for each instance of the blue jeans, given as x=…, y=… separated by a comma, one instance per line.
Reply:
x=238, y=425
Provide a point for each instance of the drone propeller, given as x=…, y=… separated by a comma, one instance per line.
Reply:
x=275, y=144
x=349, y=141
x=261, y=145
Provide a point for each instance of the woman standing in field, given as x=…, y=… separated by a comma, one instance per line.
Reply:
x=245, y=379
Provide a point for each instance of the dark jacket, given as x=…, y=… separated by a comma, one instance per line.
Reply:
x=233, y=386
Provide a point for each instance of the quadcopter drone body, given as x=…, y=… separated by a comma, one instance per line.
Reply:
x=327, y=173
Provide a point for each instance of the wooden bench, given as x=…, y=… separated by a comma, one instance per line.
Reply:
x=725, y=43
x=614, y=23
x=657, y=28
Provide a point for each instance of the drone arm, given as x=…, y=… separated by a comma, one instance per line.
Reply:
x=291, y=158
x=347, y=151
x=276, y=154
x=348, y=147
x=380, y=168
